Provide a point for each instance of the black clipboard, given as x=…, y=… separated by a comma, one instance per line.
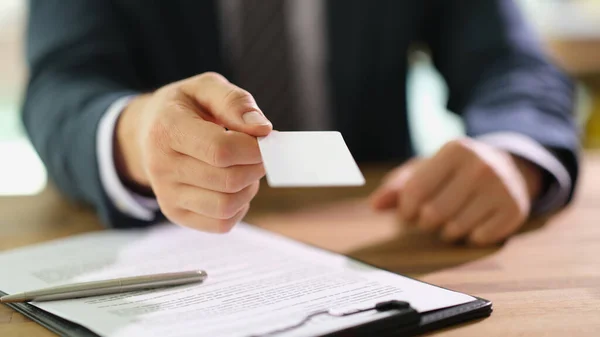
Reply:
x=405, y=322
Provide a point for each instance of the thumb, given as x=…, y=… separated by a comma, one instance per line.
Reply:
x=388, y=194
x=227, y=104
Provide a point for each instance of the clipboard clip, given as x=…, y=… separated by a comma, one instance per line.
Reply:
x=379, y=307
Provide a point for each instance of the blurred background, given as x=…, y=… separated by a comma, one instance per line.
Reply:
x=570, y=30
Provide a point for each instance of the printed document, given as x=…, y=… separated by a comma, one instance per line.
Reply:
x=257, y=282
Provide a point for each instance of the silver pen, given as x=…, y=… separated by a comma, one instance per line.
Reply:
x=106, y=287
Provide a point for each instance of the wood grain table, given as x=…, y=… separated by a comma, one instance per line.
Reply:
x=544, y=281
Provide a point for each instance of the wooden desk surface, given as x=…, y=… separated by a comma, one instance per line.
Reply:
x=543, y=282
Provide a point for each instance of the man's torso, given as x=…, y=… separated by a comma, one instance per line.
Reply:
x=366, y=64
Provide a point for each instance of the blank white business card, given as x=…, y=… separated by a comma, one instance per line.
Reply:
x=308, y=159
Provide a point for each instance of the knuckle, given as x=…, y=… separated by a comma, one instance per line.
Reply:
x=518, y=210
x=478, y=241
x=256, y=172
x=158, y=134
x=184, y=202
x=483, y=169
x=223, y=225
x=430, y=213
x=174, y=214
x=413, y=190
x=237, y=97
x=452, y=230
x=462, y=149
x=454, y=146
x=203, y=224
x=523, y=214
x=210, y=77
x=255, y=188
x=175, y=105
x=171, y=93
x=180, y=172
x=220, y=152
x=156, y=167
x=233, y=181
x=510, y=224
x=226, y=206
x=176, y=137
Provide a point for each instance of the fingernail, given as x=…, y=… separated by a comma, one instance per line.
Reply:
x=256, y=118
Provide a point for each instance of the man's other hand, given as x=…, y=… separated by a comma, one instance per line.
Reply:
x=468, y=190
x=193, y=144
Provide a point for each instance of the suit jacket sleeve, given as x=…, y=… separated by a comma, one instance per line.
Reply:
x=499, y=78
x=79, y=63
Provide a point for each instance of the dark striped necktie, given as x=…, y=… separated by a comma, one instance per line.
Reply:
x=264, y=66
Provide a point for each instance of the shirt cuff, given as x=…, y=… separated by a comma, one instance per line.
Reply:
x=126, y=201
x=557, y=194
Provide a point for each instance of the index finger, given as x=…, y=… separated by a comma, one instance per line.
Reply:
x=230, y=105
x=213, y=144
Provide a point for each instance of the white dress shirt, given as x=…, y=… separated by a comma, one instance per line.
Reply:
x=307, y=27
